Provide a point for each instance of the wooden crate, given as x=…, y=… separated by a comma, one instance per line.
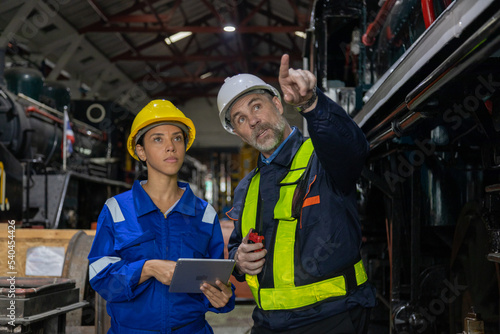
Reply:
x=26, y=238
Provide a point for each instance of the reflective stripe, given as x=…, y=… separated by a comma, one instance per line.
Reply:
x=97, y=266
x=361, y=275
x=283, y=208
x=253, y=284
x=284, y=298
x=284, y=258
x=115, y=210
x=300, y=296
x=247, y=222
x=249, y=215
x=284, y=247
x=209, y=215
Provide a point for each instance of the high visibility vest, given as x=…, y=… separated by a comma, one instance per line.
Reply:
x=285, y=295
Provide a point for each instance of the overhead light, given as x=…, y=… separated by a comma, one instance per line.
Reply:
x=229, y=28
x=206, y=75
x=177, y=37
x=301, y=34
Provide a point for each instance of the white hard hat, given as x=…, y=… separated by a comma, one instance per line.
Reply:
x=233, y=88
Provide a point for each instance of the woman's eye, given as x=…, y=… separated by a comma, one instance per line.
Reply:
x=178, y=138
x=157, y=139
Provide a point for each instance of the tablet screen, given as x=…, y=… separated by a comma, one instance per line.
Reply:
x=190, y=274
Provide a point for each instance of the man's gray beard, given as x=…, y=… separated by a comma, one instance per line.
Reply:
x=277, y=130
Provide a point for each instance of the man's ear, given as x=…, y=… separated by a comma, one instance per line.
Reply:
x=277, y=103
x=139, y=150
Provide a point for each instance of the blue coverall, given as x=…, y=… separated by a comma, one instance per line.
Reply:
x=131, y=230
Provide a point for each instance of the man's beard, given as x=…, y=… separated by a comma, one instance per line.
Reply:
x=270, y=144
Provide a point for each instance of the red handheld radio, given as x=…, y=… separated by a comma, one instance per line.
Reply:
x=255, y=238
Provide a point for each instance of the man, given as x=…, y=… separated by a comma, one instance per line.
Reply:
x=306, y=275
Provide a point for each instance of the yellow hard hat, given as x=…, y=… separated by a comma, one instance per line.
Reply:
x=159, y=111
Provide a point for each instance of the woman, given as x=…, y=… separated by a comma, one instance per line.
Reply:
x=142, y=232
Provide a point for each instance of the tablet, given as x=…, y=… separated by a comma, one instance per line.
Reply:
x=190, y=274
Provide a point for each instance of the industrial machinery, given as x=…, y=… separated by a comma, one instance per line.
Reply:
x=41, y=185
x=37, y=305
x=422, y=80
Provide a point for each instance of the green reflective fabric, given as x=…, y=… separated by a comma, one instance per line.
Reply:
x=285, y=295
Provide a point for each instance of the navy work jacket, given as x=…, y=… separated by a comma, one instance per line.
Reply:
x=328, y=230
x=131, y=230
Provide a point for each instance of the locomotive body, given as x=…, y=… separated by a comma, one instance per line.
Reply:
x=421, y=78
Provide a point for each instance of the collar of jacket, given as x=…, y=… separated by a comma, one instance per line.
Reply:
x=144, y=205
x=285, y=156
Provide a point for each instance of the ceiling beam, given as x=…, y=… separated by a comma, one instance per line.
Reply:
x=65, y=57
x=136, y=7
x=98, y=10
x=194, y=29
x=17, y=22
x=184, y=79
x=197, y=57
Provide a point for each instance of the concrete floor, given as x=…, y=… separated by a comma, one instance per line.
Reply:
x=238, y=321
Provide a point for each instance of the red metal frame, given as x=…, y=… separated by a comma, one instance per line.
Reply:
x=428, y=12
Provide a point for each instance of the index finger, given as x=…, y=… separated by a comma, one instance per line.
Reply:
x=285, y=66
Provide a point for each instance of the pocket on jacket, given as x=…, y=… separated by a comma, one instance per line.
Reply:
x=318, y=248
x=140, y=248
x=194, y=245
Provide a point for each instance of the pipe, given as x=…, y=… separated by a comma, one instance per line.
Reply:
x=373, y=29
x=456, y=63
x=2, y=65
x=477, y=47
x=428, y=12
x=32, y=109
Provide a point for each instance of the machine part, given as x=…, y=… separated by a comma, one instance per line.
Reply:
x=428, y=11
x=103, y=320
x=74, y=262
x=373, y=29
x=15, y=127
x=56, y=95
x=41, y=304
x=412, y=64
x=469, y=258
x=24, y=80
x=95, y=113
x=11, y=186
x=26, y=288
x=472, y=323
x=406, y=319
x=491, y=216
x=400, y=317
x=74, y=199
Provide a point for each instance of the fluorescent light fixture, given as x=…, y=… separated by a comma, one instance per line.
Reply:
x=301, y=34
x=229, y=28
x=206, y=75
x=177, y=37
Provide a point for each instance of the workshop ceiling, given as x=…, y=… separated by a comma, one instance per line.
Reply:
x=116, y=49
